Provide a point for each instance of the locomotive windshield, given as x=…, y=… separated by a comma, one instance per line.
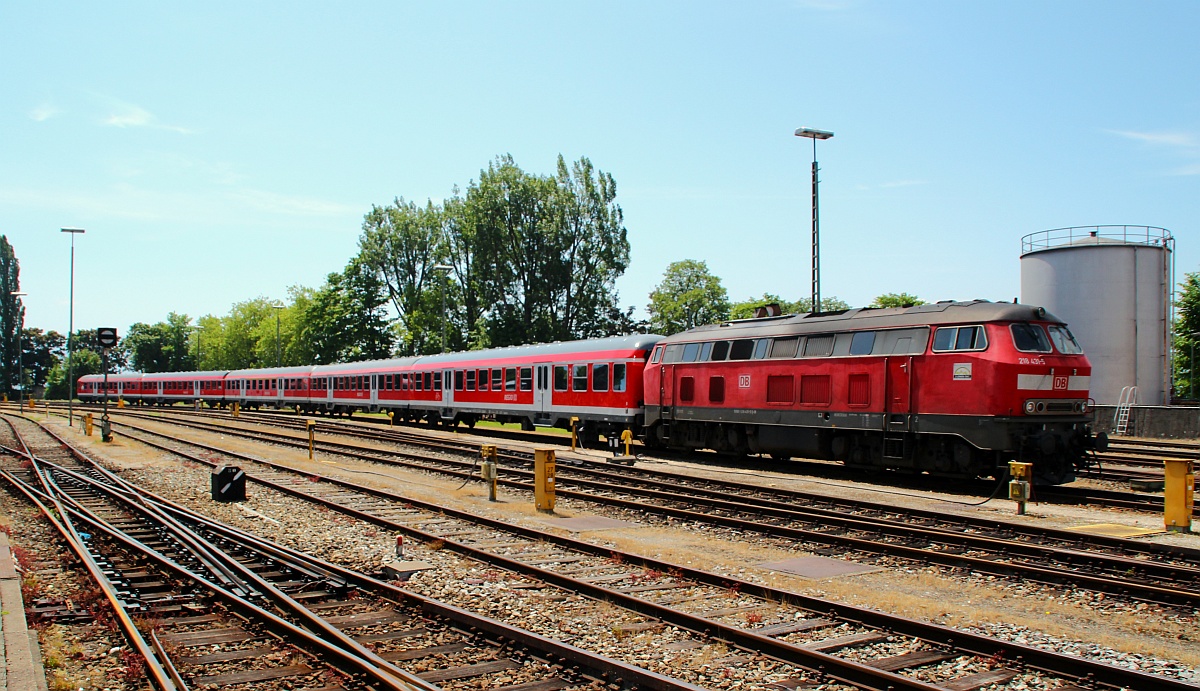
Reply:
x=1030, y=338
x=1065, y=341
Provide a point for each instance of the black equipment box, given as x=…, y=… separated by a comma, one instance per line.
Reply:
x=228, y=484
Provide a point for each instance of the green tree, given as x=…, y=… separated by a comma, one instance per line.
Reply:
x=745, y=309
x=12, y=316
x=687, y=297
x=85, y=362
x=42, y=350
x=162, y=347
x=1187, y=335
x=897, y=300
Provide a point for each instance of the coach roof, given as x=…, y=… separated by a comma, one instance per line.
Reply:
x=975, y=311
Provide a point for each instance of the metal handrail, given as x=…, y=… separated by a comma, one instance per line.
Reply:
x=1099, y=235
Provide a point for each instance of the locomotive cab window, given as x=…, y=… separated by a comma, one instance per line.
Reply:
x=672, y=354
x=658, y=351
x=1065, y=341
x=1030, y=338
x=956, y=338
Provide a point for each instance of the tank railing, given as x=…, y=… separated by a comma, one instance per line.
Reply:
x=1080, y=235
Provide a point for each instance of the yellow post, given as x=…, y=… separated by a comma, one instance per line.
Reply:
x=543, y=479
x=312, y=436
x=88, y=421
x=627, y=439
x=234, y=409
x=1018, y=488
x=120, y=403
x=1179, y=486
x=574, y=439
x=391, y=418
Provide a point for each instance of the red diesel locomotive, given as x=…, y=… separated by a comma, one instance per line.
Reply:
x=955, y=388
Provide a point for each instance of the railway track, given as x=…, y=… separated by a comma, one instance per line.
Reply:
x=372, y=428
x=587, y=568
x=210, y=584
x=1144, y=571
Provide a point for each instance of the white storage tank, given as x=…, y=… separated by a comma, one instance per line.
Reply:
x=1113, y=286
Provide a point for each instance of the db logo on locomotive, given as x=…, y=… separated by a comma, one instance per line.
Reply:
x=1060, y=383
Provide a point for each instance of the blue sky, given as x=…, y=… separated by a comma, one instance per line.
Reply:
x=219, y=151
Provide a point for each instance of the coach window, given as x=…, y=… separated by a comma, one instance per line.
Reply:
x=1030, y=338
x=579, y=377
x=483, y=380
x=600, y=377
x=690, y=351
x=497, y=379
x=527, y=379
x=658, y=351
x=954, y=338
x=862, y=343
x=784, y=347
x=459, y=380
x=429, y=381
x=818, y=346
x=470, y=380
x=560, y=377
x=510, y=379
x=437, y=381
x=720, y=350
x=1064, y=341
x=741, y=350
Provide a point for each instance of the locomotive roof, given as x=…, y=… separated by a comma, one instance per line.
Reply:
x=974, y=311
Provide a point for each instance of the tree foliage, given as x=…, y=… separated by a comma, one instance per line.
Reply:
x=42, y=350
x=12, y=316
x=1187, y=335
x=85, y=361
x=162, y=347
x=687, y=297
x=745, y=309
x=897, y=300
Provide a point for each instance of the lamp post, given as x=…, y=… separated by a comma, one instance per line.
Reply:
x=71, y=332
x=445, y=270
x=814, y=135
x=278, y=352
x=20, y=358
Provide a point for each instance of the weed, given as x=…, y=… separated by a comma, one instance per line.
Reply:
x=133, y=667
x=435, y=545
x=754, y=617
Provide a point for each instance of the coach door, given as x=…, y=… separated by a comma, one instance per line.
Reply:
x=543, y=384
x=898, y=399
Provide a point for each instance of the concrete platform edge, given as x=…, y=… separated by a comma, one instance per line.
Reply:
x=23, y=658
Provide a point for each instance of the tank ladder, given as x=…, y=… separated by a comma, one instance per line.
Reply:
x=1124, y=405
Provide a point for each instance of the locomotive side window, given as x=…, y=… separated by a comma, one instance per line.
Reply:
x=720, y=350
x=954, y=338
x=862, y=343
x=690, y=352
x=1029, y=338
x=600, y=377
x=716, y=389
x=818, y=346
x=706, y=351
x=1065, y=341
x=785, y=347
x=527, y=379
x=741, y=350
x=618, y=378
x=687, y=389
x=672, y=354
x=658, y=351
x=579, y=377
x=470, y=380
x=760, y=348
x=560, y=377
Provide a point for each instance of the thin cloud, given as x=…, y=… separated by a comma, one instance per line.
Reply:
x=130, y=115
x=1173, y=139
x=43, y=112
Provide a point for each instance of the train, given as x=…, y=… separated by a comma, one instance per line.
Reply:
x=956, y=389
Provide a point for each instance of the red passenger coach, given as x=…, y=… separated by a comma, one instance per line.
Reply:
x=167, y=388
x=277, y=387
x=124, y=386
x=954, y=388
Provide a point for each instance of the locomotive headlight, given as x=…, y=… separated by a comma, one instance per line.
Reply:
x=1029, y=407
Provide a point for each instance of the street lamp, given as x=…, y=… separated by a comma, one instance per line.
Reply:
x=71, y=332
x=20, y=358
x=278, y=352
x=445, y=269
x=814, y=135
